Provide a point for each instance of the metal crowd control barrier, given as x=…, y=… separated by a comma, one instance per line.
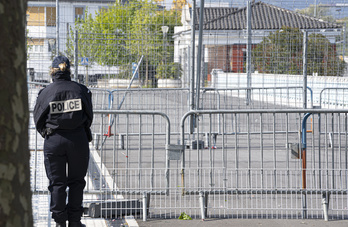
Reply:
x=261, y=98
x=249, y=163
x=141, y=152
x=174, y=102
x=265, y=153
x=333, y=98
x=255, y=169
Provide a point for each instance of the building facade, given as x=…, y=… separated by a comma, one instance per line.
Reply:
x=225, y=37
x=47, y=32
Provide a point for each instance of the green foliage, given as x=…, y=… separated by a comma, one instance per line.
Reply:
x=169, y=71
x=121, y=34
x=184, y=216
x=125, y=72
x=282, y=53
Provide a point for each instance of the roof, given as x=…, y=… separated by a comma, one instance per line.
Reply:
x=264, y=17
x=211, y=13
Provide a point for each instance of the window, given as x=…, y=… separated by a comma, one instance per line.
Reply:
x=79, y=13
x=41, y=16
x=35, y=45
x=51, y=16
x=36, y=16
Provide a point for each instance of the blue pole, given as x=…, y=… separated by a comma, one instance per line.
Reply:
x=304, y=163
x=304, y=130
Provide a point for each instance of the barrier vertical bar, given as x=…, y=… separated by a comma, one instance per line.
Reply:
x=249, y=150
x=236, y=150
x=332, y=153
x=211, y=155
x=140, y=152
x=274, y=153
x=224, y=154
x=346, y=148
x=261, y=147
x=127, y=150
x=114, y=148
x=287, y=157
x=153, y=152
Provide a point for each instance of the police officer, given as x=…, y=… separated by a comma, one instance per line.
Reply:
x=63, y=115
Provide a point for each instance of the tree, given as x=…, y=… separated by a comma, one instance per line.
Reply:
x=121, y=34
x=281, y=53
x=179, y=4
x=15, y=193
x=147, y=38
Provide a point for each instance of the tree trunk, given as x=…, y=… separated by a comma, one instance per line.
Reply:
x=15, y=193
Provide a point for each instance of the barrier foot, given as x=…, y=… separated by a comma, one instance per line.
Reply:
x=203, y=201
x=325, y=203
x=144, y=207
x=146, y=204
x=121, y=141
x=109, y=134
x=304, y=206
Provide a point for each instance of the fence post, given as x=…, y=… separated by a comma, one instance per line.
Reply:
x=57, y=27
x=192, y=65
x=199, y=54
x=304, y=94
x=203, y=202
x=145, y=199
x=76, y=54
x=248, y=63
x=304, y=164
x=325, y=203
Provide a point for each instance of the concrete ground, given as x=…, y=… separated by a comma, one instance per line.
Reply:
x=242, y=223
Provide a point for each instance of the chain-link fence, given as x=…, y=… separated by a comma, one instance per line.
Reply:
x=174, y=57
x=105, y=39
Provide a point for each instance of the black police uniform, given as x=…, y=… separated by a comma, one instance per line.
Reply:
x=63, y=115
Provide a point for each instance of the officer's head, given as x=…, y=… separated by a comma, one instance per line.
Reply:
x=60, y=63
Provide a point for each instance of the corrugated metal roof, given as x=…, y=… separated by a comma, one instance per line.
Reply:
x=264, y=17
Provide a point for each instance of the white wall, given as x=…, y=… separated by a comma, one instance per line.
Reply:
x=335, y=97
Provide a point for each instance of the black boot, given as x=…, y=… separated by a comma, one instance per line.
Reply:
x=62, y=224
x=76, y=224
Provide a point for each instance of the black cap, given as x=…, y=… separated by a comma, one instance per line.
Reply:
x=60, y=59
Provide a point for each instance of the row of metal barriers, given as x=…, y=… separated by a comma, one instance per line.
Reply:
x=158, y=159
x=240, y=153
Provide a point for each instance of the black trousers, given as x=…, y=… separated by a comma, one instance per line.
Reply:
x=66, y=162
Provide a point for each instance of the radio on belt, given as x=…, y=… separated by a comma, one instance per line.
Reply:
x=65, y=106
